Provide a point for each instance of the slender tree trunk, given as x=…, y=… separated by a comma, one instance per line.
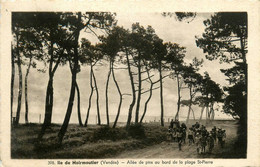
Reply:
x=97, y=100
x=47, y=122
x=120, y=96
x=91, y=93
x=133, y=91
x=193, y=114
x=150, y=95
x=108, y=77
x=20, y=87
x=12, y=85
x=26, y=92
x=48, y=97
x=188, y=117
x=79, y=113
x=139, y=92
x=73, y=85
x=212, y=113
x=201, y=113
x=161, y=93
x=207, y=113
x=179, y=98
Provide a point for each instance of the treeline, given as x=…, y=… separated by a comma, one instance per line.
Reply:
x=53, y=39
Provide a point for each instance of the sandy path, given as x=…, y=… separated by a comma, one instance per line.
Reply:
x=162, y=150
x=170, y=149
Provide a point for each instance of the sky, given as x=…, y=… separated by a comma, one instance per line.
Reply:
x=168, y=29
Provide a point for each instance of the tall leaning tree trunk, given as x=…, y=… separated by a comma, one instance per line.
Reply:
x=20, y=91
x=150, y=95
x=179, y=98
x=12, y=85
x=48, y=98
x=73, y=85
x=49, y=93
x=161, y=93
x=139, y=91
x=79, y=113
x=133, y=91
x=90, y=96
x=212, y=112
x=207, y=113
x=97, y=100
x=193, y=114
x=26, y=91
x=202, y=110
x=188, y=117
x=120, y=97
x=108, y=77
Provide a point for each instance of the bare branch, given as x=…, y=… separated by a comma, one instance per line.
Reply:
x=138, y=89
x=126, y=94
x=147, y=78
x=150, y=89
x=120, y=68
x=162, y=78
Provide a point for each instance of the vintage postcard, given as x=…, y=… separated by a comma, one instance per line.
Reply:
x=131, y=83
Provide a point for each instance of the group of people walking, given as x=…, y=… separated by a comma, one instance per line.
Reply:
x=197, y=134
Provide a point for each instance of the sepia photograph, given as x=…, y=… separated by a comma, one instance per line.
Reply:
x=145, y=85
x=111, y=87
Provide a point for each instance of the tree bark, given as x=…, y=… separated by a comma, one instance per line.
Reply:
x=79, y=113
x=97, y=100
x=20, y=86
x=48, y=98
x=120, y=96
x=212, y=113
x=90, y=96
x=179, y=98
x=26, y=91
x=73, y=85
x=161, y=93
x=201, y=113
x=139, y=91
x=188, y=117
x=207, y=113
x=108, y=77
x=193, y=114
x=149, y=97
x=133, y=91
x=12, y=85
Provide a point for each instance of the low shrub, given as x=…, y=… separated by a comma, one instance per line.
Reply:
x=108, y=133
x=136, y=131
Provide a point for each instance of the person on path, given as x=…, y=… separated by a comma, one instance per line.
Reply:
x=197, y=142
x=210, y=141
x=203, y=143
x=190, y=136
x=179, y=137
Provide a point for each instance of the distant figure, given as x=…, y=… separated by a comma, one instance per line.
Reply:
x=214, y=133
x=176, y=124
x=223, y=137
x=171, y=124
x=174, y=135
x=210, y=141
x=220, y=137
x=183, y=125
x=190, y=136
x=197, y=141
x=179, y=137
x=169, y=134
x=203, y=142
x=197, y=125
x=184, y=134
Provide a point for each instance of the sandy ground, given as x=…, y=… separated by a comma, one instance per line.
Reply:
x=74, y=147
x=170, y=149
